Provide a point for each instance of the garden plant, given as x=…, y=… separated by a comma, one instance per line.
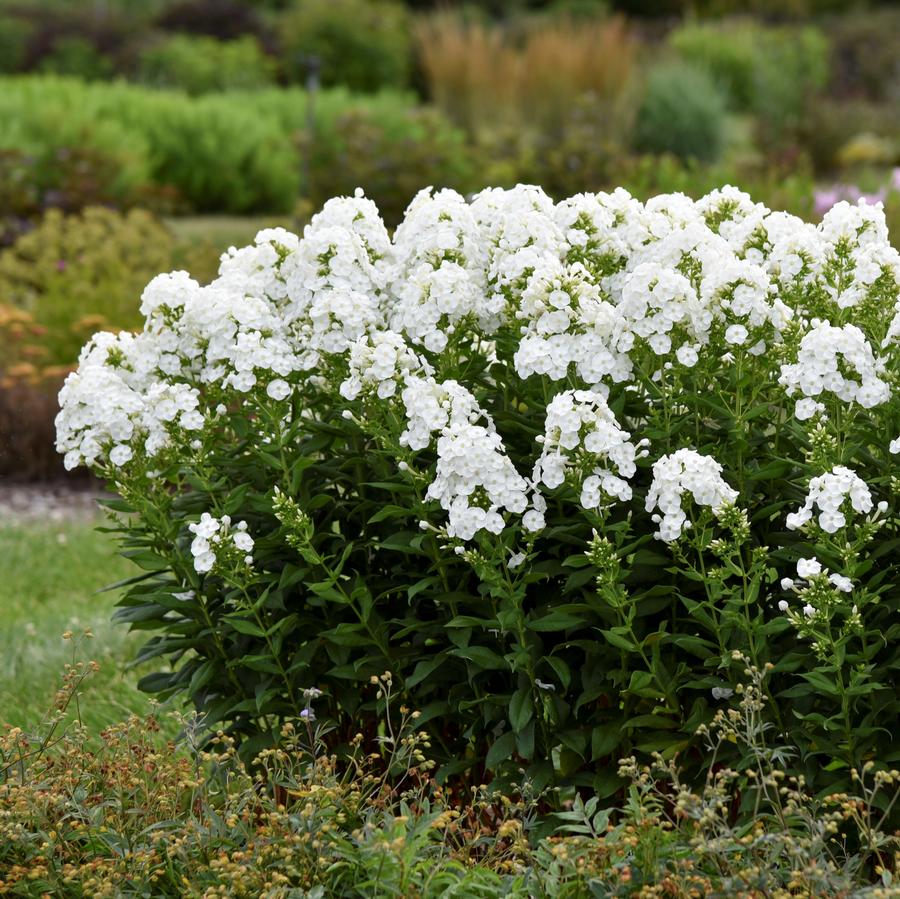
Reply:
x=566, y=470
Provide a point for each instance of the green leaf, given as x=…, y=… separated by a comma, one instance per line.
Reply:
x=501, y=750
x=243, y=626
x=604, y=739
x=521, y=708
x=619, y=641
x=481, y=656
x=557, y=620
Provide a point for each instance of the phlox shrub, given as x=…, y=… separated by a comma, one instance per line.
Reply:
x=561, y=468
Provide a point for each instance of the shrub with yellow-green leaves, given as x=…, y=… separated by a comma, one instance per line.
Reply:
x=69, y=277
x=74, y=275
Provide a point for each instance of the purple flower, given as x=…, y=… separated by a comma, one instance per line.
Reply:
x=823, y=200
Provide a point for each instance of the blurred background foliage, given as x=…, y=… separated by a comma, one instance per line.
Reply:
x=143, y=135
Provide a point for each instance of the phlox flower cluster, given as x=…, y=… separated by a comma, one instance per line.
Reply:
x=839, y=361
x=217, y=543
x=475, y=480
x=832, y=493
x=685, y=471
x=112, y=405
x=822, y=596
x=582, y=437
x=380, y=361
x=568, y=323
x=431, y=407
x=439, y=276
x=470, y=299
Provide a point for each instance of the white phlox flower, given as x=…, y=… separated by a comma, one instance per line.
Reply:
x=685, y=471
x=838, y=361
x=216, y=541
x=382, y=362
x=475, y=481
x=831, y=493
x=582, y=439
x=566, y=323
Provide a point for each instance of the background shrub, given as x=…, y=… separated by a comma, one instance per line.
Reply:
x=226, y=20
x=794, y=68
x=14, y=35
x=362, y=44
x=729, y=54
x=771, y=72
x=76, y=55
x=199, y=65
x=27, y=411
x=217, y=155
x=865, y=55
x=683, y=113
x=489, y=77
x=393, y=159
x=231, y=152
x=43, y=117
x=76, y=274
x=587, y=150
x=68, y=179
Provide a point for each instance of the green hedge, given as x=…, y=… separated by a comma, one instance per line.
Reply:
x=232, y=152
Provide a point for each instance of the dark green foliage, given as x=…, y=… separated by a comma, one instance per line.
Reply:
x=225, y=20
x=362, y=44
x=77, y=56
x=14, y=34
x=561, y=678
x=683, y=112
x=391, y=159
x=200, y=65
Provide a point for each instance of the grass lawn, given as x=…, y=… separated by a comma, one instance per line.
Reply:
x=223, y=231
x=51, y=575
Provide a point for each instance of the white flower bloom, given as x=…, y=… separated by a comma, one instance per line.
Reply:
x=475, y=480
x=278, y=389
x=566, y=323
x=687, y=356
x=842, y=583
x=831, y=493
x=380, y=362
x=827, y=358
x=807, y=408
x=583, y=439
x=516, y=559
x=596, y=291
x=210, y=543
x=736, y=334
x=807, y=568
x=685, y=471
x=114, y=403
